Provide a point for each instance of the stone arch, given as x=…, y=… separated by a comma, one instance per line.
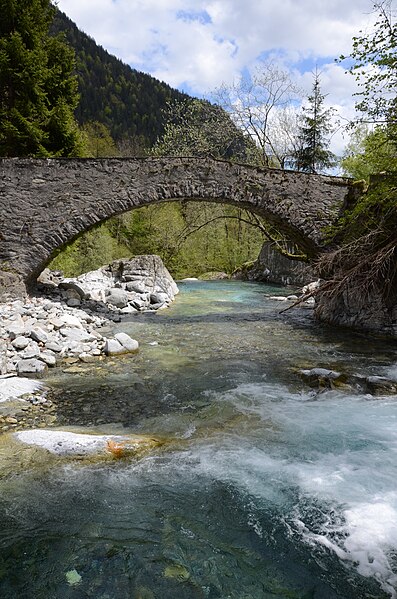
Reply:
x=45, y=203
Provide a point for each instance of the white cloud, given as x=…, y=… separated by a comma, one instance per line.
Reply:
x=197, y=48
x=155, y=35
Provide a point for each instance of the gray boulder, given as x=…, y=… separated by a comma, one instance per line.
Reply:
x=77, y=335
x=31, y=367
x=117, y=297
x=53, y=346
x=114, y=347
x=159, y=298
x=136, y=286
x=20, y=342
x=127, y=342
x=39, y=335
x=48, y=358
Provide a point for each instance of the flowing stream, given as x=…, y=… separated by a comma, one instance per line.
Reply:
x=263, y=488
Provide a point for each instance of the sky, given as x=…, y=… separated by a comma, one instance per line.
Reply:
x=196, y=46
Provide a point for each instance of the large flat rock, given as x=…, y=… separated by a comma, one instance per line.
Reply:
x=66, y=443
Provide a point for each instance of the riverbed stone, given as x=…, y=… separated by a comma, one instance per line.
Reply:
x=15, y=328
x=39, y=335
x=323, y=378
x=128, y=310
x=47, y=358
x=78, y=335
x=31, y=367
x=20, y=342
x=53, y=346
x=138, y=303
x=88, y=358
x=71, y=321
x=379, y=385
x=158, y=298
x=73, y=302
x=127, y=342
x=31, y=351
x=117, y=297
x=114, y=347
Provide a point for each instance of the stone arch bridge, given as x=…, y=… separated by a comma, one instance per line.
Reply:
x=46, y=203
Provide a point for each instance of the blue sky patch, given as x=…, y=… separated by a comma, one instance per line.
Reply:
x=201, y=16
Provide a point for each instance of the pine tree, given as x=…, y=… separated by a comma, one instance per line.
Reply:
x=313, y=154
x=38, y=92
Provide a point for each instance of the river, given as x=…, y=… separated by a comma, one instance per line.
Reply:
x=263, y=488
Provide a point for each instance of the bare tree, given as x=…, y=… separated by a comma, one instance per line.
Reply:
x=262, y=107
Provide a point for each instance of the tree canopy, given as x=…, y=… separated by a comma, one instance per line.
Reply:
x=38, y=92
x=374, y=56
x=364, y=256
x=129, y=103
x=199, y=128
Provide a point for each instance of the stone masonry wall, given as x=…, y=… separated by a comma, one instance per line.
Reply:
x=45, y=203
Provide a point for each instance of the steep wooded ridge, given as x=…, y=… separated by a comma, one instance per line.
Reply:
x=127, y=101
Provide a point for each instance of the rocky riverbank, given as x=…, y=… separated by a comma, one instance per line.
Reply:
x=64, y=320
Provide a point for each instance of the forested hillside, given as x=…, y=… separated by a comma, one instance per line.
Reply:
x=127, y=101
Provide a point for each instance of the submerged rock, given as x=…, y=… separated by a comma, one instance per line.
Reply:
x=380, y=385
x=323, y=378
x=177, y=572
x=73, y=578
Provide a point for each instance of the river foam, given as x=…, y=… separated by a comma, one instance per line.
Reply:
x=334, y=455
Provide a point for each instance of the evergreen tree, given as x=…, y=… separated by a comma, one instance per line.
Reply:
x=38, y=93
x=128, y=102
x=313, y=154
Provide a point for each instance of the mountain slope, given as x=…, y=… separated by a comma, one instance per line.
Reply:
x=127, y=101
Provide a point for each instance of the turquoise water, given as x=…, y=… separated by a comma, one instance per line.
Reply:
x=263, y=489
